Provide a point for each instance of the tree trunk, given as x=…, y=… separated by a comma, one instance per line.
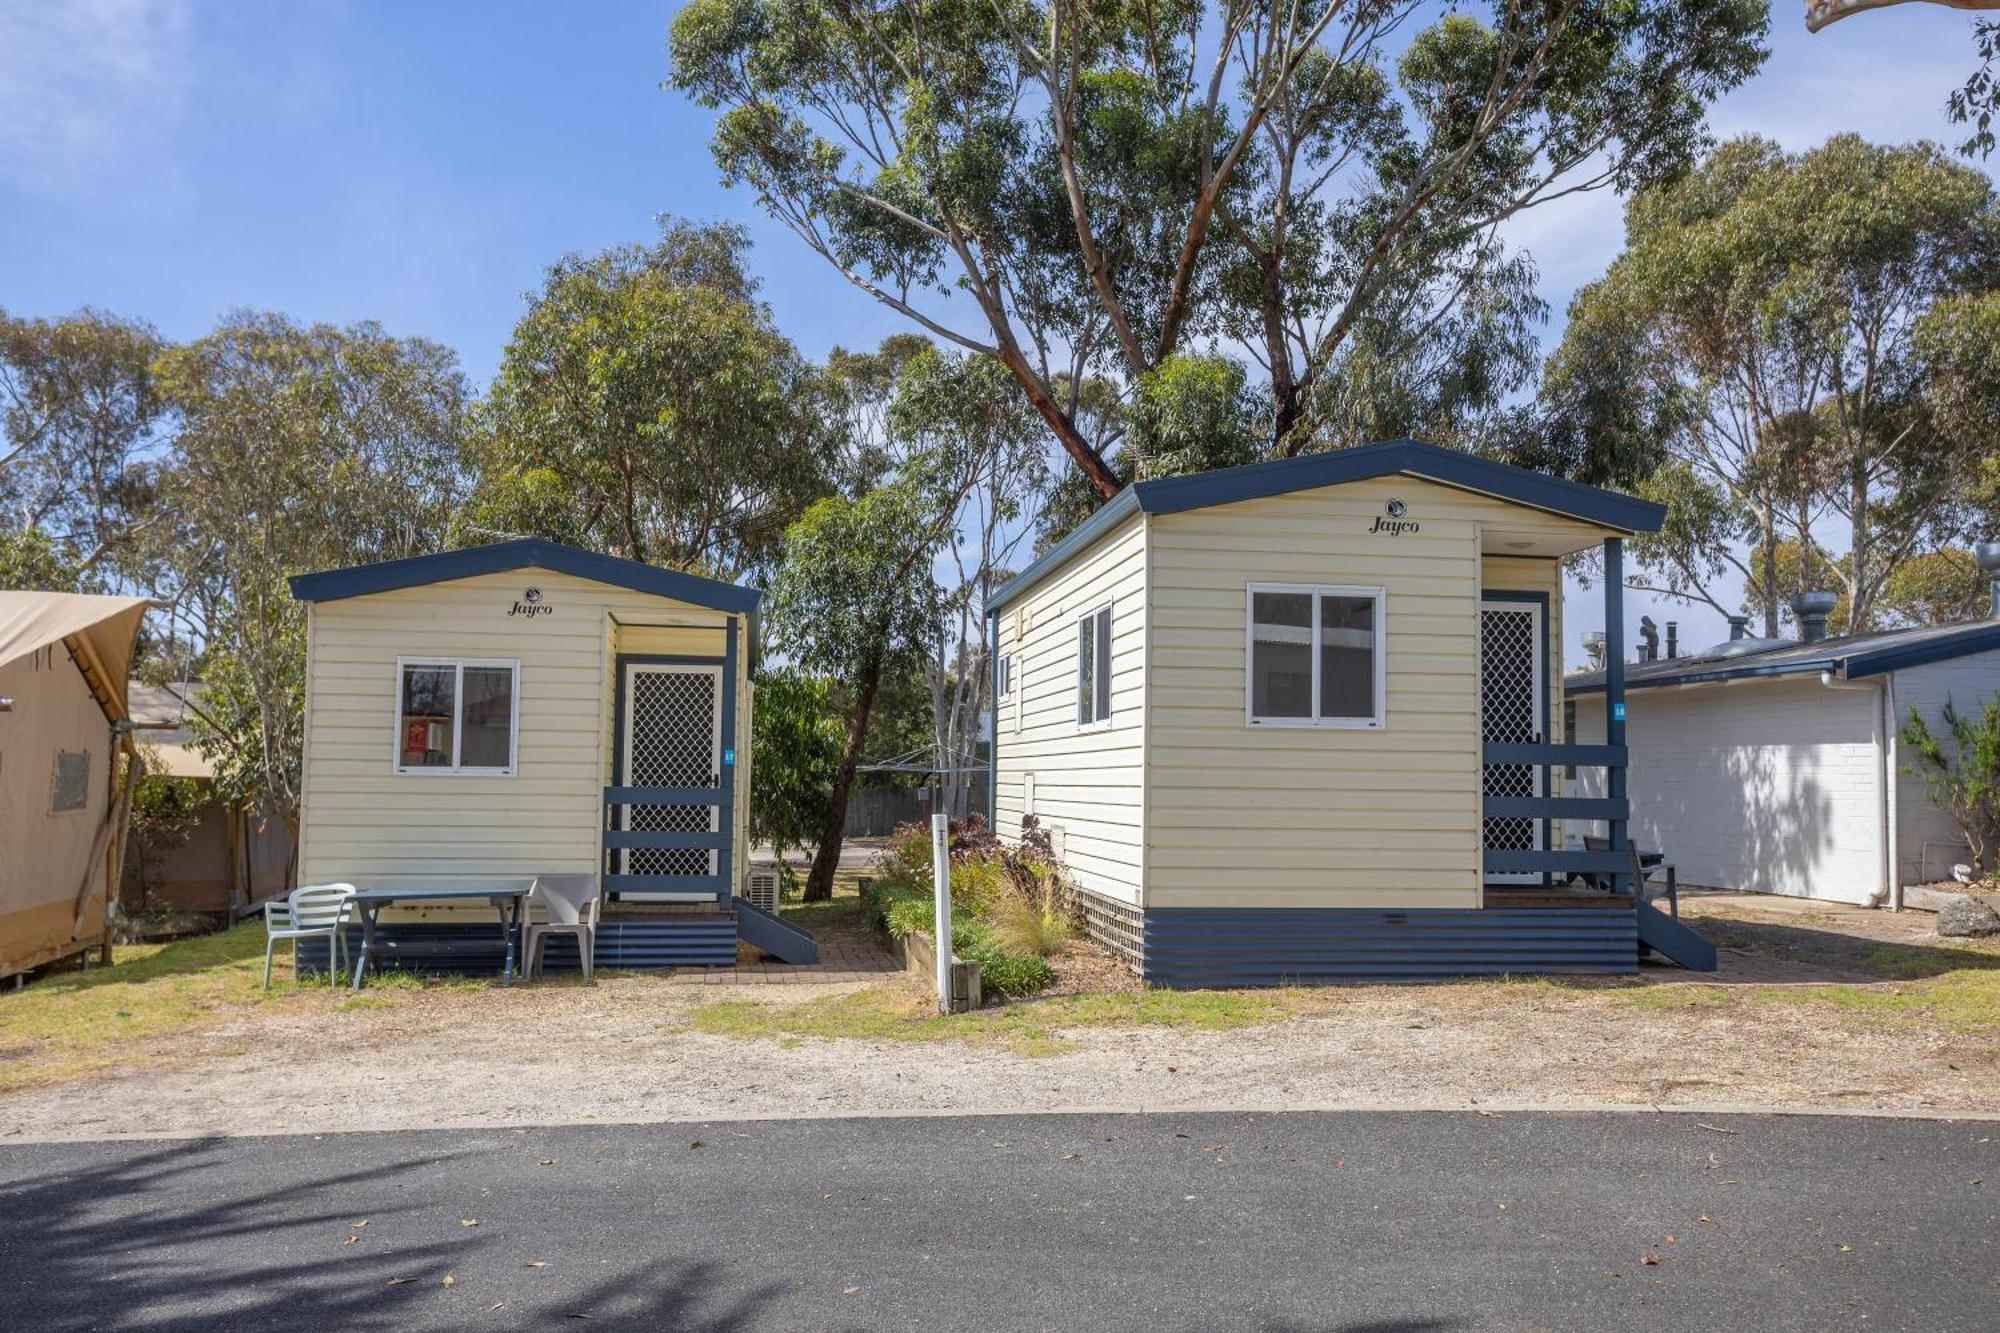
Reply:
x=819, y=880
x=1768, y=533
x=1092, y=464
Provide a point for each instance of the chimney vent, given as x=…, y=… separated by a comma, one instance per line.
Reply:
x=1988, y=555
x=1673, y=640
x=1812, y=609
x=1739, y=628
x=1649, y=638
x=1593, y=644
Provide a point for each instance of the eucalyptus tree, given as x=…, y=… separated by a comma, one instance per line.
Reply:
x=296, y=447
x=648, y=405
x=1082, y=192
x=1798, y=337
x=852, y=601
x=963, y=408
x=79, y=421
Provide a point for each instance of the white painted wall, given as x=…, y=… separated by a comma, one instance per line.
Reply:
x=1766, y=785
x=1969, y=682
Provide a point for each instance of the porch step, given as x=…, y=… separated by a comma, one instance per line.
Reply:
x=774, y=935
x=1670, y=938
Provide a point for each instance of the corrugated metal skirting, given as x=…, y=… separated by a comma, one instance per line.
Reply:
x=1188, y=947
x=435, y=947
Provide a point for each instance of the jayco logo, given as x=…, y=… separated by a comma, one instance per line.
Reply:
x=1394, y=525
x=531, y=605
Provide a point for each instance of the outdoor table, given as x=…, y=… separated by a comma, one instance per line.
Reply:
x=509, y=902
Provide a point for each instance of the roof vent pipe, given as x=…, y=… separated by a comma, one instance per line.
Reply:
x=1988, y=555
x=1812, y=609
x=1649, y=639
x=1739, y=628
x=1673, y=639
x=1593, y=644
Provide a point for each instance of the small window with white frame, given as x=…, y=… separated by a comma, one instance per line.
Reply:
x=1313, y=656
x=1003, y=672
x=1093, y=668
x=457, y=715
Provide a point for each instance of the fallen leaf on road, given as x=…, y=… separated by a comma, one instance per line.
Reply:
x=1847, y=1249
x=534, y=1263
x=352, y=1240
x=1729, y=1182
x=398, y=1281
x=1706, y=1218
x=495, y=1306
x=447, y=1281
x=694, y=1145
x=546, y=1161
x=468, y=1221
x=1649, y=1259
x=360, y=1224
x=849, y=1291
x=1713, y=1129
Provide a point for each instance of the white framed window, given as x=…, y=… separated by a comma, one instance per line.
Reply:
x=1004, y=671
x=1093, y=667
x=1313, y=656
x=457, y=715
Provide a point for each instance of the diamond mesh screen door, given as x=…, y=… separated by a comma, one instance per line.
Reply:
x=673, y=738
x=1512, y=701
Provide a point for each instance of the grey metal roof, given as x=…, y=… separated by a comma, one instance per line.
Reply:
x=1252, y=481
x=499, y=557
x=1852, y=656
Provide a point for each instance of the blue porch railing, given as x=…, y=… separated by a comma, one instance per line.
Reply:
x=1615, y=861
x=618, y=803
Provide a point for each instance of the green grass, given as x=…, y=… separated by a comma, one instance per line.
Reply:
x=71, y=1024
x=1031, y=1027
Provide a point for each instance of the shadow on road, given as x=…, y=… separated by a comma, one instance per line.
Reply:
x=135, y=1243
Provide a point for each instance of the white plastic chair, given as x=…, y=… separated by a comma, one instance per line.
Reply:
x=573, y=904
x=311, y=911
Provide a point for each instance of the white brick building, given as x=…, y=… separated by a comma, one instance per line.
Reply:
x=1778, y=769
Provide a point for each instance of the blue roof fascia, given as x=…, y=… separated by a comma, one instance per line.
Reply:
x=1113, y=512
x=1252, y=481
x=1792, y=667
x=1896, y=657
x=1858, y=664
x=532, y=552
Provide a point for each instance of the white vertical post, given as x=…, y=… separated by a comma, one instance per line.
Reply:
x=941, y=893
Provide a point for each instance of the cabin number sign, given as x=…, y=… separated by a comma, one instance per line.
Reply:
x=1392, y=521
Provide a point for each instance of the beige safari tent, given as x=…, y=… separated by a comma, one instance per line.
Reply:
x=64, y=658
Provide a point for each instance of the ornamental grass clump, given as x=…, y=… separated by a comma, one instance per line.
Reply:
x=1011, y=907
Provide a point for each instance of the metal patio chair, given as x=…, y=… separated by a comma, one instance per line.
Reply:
x=309, y=912
x=573, y=904
x=1644, y=866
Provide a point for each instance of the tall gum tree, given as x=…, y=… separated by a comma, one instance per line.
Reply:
x=1080, y=192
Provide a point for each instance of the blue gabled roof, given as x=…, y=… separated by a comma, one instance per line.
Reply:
x=1852, y=657
x=528, y=552
x=1254, y=481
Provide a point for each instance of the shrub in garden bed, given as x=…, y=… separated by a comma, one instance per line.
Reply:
x=1011, y=906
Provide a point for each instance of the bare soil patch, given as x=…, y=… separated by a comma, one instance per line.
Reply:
x=1923, y=1035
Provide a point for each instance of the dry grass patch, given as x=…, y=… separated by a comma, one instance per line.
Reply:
x=1027, y=1027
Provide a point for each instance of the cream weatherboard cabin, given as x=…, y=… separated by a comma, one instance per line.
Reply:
x=1301, y=720
x=482, y=716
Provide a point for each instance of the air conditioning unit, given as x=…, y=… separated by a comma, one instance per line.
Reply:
x=761, y=889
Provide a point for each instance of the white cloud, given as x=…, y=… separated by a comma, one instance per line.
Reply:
x=86, y=85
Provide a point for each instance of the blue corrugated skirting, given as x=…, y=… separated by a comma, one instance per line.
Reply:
x=438, y=947
x=1207, y=946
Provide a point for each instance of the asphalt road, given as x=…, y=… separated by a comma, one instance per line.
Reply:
x=1345, y=1221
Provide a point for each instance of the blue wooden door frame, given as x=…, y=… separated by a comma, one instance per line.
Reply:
x=1540, y=599
x=725, y=744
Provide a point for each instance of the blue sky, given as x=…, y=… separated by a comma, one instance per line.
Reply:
x=419, y=164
